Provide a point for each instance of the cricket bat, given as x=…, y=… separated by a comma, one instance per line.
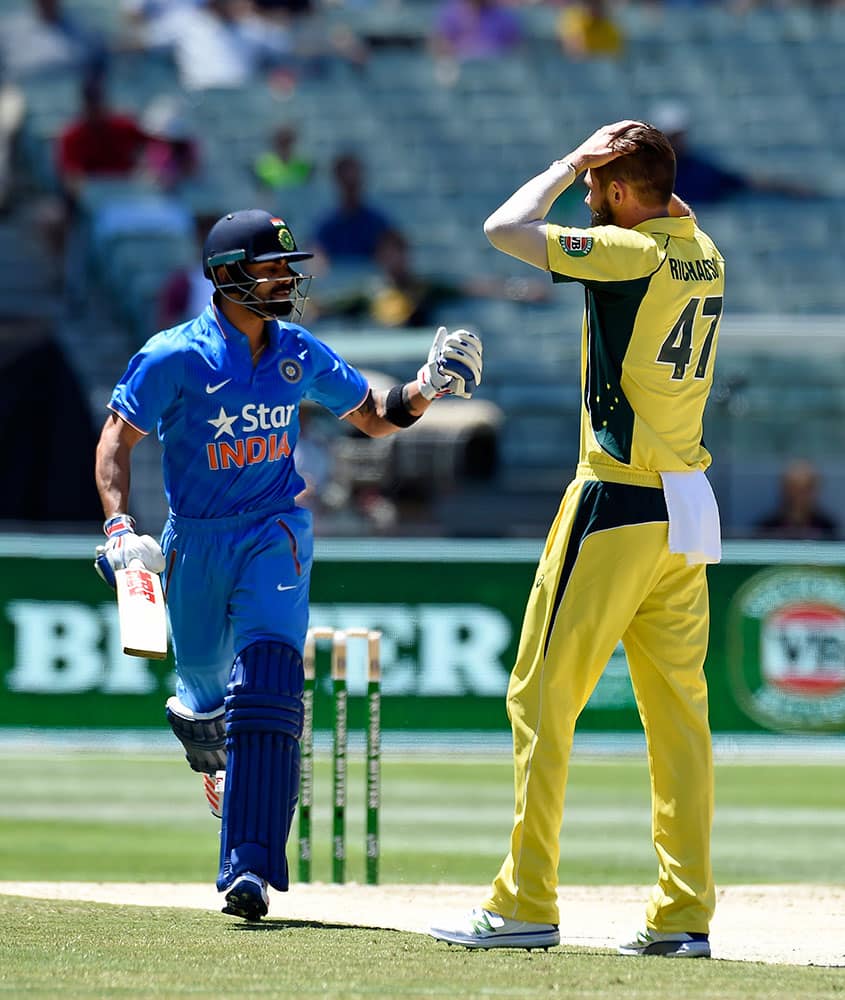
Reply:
x=140, y=608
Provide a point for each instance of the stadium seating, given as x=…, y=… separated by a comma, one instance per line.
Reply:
x=764, y=92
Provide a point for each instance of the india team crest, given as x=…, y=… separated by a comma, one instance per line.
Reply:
x=290, y=370
x=576, y=246
x=286, y=240
x=786, y=646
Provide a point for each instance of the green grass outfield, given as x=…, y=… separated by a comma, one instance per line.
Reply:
x=77, y=950
x=129, y=818
x=121, y=817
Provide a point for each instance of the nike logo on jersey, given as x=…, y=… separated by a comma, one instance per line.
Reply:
x=213, y=388
x=291, y=586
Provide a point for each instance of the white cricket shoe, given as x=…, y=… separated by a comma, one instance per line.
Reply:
x=213, y=785
x=672, y=944
x=247, y=897
x=485, y=929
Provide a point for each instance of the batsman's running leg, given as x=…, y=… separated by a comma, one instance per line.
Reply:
x=263, y=726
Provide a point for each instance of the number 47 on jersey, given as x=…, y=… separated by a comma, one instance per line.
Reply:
x=678, y=346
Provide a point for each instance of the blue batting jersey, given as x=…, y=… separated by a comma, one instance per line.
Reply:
x=228, y=428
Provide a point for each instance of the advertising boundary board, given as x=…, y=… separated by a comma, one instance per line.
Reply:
x=450, y=611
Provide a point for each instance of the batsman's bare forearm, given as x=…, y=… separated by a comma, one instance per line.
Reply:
x=113, y=464
x=371, y=419
x=517, y=227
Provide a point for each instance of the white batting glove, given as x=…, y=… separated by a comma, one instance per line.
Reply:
x=123, y=545
x=454, y=364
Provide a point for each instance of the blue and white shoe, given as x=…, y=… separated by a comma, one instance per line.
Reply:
x=247, y=897
x=485, y=929
x=672, y=944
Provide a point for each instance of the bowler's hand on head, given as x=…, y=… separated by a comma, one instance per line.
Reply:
x=605, y=144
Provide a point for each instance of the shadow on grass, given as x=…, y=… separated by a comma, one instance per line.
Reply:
x=281, y=924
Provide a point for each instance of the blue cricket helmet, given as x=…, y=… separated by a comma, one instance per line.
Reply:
x=254, y=236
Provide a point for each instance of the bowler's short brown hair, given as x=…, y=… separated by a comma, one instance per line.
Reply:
x=649, y=167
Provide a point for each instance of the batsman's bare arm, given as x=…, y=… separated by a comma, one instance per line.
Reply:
x=112, y=465
x=453, y=368
x=370, y=416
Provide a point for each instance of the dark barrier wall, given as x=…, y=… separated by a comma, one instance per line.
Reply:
x=46, y=430
x=450, y=613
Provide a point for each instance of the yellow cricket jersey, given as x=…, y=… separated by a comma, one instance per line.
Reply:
x=651, y=326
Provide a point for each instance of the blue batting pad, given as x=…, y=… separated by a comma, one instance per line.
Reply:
x=263, y=725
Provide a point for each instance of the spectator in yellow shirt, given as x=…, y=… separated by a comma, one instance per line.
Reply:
x=587, y=30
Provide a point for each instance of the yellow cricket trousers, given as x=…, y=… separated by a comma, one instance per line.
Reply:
x=606, y=574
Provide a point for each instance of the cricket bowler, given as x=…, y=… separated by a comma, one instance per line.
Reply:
x=626, y=554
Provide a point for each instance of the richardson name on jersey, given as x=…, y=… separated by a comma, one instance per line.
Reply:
x=693, y=270
x=254, y=448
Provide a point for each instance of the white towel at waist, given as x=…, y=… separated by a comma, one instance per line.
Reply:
x=694, y=528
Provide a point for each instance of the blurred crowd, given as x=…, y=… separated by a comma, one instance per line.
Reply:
x=226, y=44
x=221, y=44
x=110, y=170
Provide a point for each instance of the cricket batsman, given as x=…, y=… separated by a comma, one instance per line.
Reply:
x=223, y=393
